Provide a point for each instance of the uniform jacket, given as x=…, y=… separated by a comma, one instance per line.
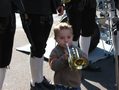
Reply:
x=5, y=8
x=39, y=6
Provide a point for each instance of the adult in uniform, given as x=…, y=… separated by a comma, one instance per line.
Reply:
x=39, y=16
x=7, y=31
x=81, y=15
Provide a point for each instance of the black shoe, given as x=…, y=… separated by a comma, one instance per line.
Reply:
x=47, y=84
x=38, y=86
x=44, y=85
x=92, y=68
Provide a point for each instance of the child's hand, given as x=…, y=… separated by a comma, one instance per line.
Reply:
x=60, y=10
x=66, y=55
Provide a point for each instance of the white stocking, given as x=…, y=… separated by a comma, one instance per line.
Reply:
x=84, y=43
x=116, y=42
x=36, y=65
x=2, y=76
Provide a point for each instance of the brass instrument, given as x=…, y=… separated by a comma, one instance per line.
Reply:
x=65, y=1
x=74, y=59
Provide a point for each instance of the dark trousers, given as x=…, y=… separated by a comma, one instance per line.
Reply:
x=7, y=30
x=37, y=30
x=81, y=15
x=116, y=4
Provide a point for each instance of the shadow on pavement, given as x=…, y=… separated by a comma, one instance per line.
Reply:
x=104, y=80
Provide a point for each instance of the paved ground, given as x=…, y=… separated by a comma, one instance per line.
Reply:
x=18, y=76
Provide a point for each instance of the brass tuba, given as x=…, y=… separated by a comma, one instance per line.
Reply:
x=74, y=59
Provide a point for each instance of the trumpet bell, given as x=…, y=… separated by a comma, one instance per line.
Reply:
x=78, y=63
x=75, y=60
x=81, y=63
x=65, y=1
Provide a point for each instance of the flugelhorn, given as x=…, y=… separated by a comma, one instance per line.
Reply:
x=75, y=60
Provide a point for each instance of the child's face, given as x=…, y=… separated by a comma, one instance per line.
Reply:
x=64, y=37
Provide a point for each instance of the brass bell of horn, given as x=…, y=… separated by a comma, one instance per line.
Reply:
x=75, y=60
x=65, y=1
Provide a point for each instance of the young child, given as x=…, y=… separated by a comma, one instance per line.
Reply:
x=64, y=78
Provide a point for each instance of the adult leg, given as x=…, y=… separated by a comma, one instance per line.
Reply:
x=116, y=43
x=85, y=44
x=83, y=23
x=88, y=27
x=7, y=30
x=39, y=30
x=117, y=4
x=2, y=76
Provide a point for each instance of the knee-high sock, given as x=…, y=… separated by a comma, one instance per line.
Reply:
x=116, y=42
x=75, y=43
x=36, y=65
x=2, y=76
x=84, y=43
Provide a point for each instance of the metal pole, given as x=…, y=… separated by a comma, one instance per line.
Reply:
x=115, y=42
x=115, y=22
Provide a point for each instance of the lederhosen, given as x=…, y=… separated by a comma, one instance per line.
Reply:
x=40, y=22
x=81, y=15
x=7, y=31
